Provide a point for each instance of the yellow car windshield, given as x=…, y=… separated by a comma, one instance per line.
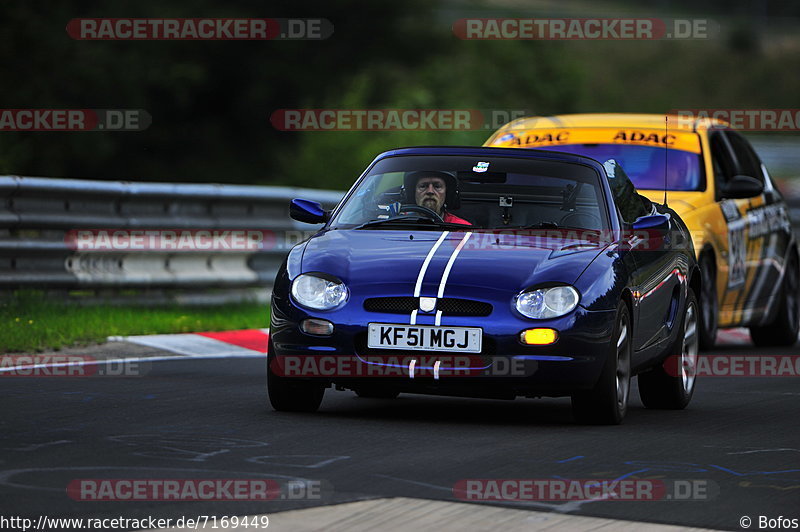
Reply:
x=645, y=164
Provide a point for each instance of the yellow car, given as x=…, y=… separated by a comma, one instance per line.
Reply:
x=717, y=184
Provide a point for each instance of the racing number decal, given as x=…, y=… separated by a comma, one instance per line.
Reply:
x=737, y=254
x=752, y=241
x=737, y=248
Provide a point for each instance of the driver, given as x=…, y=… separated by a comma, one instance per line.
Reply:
x=430, y=191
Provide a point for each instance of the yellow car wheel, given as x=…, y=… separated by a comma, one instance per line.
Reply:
x=707, y=330
x=784, y=328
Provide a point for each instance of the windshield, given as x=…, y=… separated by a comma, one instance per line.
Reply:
x=645, y=164
x=461, y=192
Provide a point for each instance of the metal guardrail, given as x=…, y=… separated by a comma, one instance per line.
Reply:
x=37, y=216
x=781, y=155
x=790, y=189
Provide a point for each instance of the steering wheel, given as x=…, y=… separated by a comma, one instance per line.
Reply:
x=592, y=217
x=421, y=210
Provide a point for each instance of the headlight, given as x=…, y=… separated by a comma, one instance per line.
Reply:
x=318, y=293
x=549, y=302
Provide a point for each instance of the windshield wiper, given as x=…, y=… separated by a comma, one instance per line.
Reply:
x=553, y=225
x=410, y=220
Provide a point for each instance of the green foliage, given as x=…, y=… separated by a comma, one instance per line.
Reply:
x=211, y=101
x=32, y=322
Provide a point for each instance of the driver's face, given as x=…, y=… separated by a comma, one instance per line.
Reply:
x=430, y=193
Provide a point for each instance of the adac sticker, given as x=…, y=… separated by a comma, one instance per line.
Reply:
x=506, y=137
x=480, y=167
x=646, y=137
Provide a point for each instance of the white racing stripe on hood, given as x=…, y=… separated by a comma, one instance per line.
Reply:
x=450, y=262
x=445, y=275
x=425, y=264
x=423, y=269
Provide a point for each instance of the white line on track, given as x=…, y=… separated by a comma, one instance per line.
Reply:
x=189, y=344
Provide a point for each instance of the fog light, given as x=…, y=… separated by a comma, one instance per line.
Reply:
x=316, y=327
x=538, y=336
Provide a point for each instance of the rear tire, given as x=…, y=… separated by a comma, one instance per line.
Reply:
x=784, y=328
x=607, y=402
x=659, y=388
x=291, y=394
x=709, y=305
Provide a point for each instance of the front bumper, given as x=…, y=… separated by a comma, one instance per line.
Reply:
x=505, y=368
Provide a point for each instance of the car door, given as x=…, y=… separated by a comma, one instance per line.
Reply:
x=653, y=273
x=767, y=233
x=731, y=243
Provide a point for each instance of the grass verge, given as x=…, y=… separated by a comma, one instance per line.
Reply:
x=30, y=322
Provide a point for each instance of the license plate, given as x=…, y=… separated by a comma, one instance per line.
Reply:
x=425, y=338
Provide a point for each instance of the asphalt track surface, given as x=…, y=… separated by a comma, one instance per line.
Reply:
x=193, y=418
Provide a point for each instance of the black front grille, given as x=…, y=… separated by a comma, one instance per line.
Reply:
x=463, y=307
x=392, y=305
x=450, y=306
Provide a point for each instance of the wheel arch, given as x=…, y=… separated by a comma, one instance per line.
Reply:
x=627, y=297
x=708, y=249
x=696, y=280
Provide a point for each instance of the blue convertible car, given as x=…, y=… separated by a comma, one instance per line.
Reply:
x=488, y=272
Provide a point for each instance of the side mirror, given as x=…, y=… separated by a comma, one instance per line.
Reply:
x=742, y=186
x=658, y=222
x=652, y=231
x=307, y=211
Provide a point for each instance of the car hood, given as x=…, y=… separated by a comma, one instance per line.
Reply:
x=389, y=262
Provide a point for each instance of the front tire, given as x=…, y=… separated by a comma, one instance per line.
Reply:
x=291, y=394
x=784, y=328
x=659, y=388
x=607, y=402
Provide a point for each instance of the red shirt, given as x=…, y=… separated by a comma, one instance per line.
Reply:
x=453, y=219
